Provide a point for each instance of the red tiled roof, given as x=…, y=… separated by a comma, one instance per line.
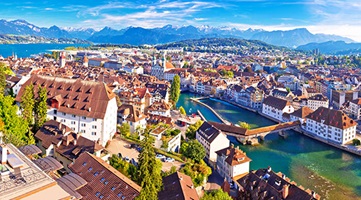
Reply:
x=102, y=179
x=178, y=186
x=331, y=117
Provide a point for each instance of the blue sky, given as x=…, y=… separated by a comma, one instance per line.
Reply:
x=341, y=17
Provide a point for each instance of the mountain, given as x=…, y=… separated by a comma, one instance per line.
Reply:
x=294, y=38
x=168, y=33
x=26, y=39
x=333, y=47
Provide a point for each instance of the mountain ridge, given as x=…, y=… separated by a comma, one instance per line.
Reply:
x=167, y=33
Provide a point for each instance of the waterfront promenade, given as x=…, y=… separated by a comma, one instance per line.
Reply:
x=197, y=100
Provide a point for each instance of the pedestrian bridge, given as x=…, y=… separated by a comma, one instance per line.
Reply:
x=245, y=135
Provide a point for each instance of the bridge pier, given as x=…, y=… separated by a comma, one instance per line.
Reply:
x=261, y=137
x=282, y=134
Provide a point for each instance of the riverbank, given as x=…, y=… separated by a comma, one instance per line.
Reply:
x=214, y=112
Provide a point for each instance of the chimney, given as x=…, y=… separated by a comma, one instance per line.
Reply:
x=314, y=195
x=74, y=142
x=4, y=154
x=285, y=191
x=60, y=126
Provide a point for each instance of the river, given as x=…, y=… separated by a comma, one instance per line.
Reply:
x=332, y=173
x=26, y=50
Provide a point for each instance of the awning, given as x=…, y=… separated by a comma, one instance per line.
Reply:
x=48, y=164
x=30, y=150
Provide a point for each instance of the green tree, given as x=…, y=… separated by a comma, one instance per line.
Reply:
x=198, y=172
x=182, y=111
x=244, y=125
x=124, y=129
x=193, y=150
x=15, y=129
x=2, y=78
x=175, y=90
x=27, y=104
x=356, y=142
x=216, y=195
x=40, y=108
x=191, y=130
x=124, y=167
x=150, y=178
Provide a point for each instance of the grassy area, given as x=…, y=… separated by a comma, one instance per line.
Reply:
x=174, y=155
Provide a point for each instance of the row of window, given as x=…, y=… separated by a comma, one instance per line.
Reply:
x=64, y=114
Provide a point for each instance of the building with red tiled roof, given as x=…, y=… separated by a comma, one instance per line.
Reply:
x=355, y=108
x=86, y=107
x=102, y=180
x=232, y=162
x=178, y=186
x=331, y=125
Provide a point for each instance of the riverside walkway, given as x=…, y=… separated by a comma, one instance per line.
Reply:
x=211, y=109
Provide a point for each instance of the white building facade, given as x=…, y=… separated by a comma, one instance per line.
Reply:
x=276, y=107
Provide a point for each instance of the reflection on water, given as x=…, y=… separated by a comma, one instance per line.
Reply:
x=329, y=171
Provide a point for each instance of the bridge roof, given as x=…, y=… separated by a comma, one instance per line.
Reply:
x=245, y=132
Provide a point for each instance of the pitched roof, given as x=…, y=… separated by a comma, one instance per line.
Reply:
x=357, y=101
x=265, y=184
x=102, y=179
x=131, y=113
x=331, y=117
x=275, y=102
x=73, y=96
x=318, y=97
x=208, y=132
x=71, y=144
x=235, y=156
x=178, y=186
x=302, y=112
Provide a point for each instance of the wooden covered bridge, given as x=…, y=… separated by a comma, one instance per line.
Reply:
x=251, y=136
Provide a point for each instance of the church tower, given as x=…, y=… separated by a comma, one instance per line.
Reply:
x=164, y=62
x=62, y=59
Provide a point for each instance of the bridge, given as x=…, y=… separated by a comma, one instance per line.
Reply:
x=251, y=136
x=211, y=109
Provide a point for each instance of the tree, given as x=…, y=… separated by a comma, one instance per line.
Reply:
x=175, y=90
x=193, y=150
x=198, y=172
x=27, y=104
x=124, y=129
x=216, y=195
x=40, y=108
x=14, y=128
x=244, y=125
x=356, y=142
x=182, y=111
x=150, y=178
x=124, y=167
x=191, y=130
x=2, y=78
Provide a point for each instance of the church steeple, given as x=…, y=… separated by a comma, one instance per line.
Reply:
x=164, y=61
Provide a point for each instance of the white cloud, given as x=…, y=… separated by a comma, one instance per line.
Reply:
x=48, y=9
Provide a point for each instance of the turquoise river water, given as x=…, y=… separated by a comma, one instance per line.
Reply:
x=329, y=171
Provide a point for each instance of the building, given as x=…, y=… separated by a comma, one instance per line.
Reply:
x=62, y=59
x=301, y=114
x=338, y=98
x=276, y=107
x=102, y=181
x=109, y=64
x=87, y=107
x=135, y=118
x=158, y=68
x=316, y=101
x=23, y=179
x=166, y=139
x=57, y=140
x=331, y=125
x=355, y=108
x=212, y=139
x=266, y=184
x=178, y=186
x=232, y=162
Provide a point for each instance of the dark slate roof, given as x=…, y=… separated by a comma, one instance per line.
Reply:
x=178, y=186
x=275, y=102
x=265, y=184
x=208, y=132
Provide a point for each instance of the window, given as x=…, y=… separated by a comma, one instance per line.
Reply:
x=94, y=127
x=73, y=116
x=72, y=122
x=64, y=114
x=113, y=188
x=63, y=120
x=73, y=129
x=90, y=168
x=102, y=179
x=82, y=131
x=106, y=183
x=83, y=117
x=101, y=196
x=83, y=124
x=94, y=133
x=55, y=112
x=94, y=120
x=84, y=163
x=97, y=194
x=120, y=194
x=96, y=173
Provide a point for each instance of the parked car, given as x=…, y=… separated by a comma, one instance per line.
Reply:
x=168, y=159
x=127, y=159
x=160, y=156
x=132, y=146
x=139, y=149
x=120, y=155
